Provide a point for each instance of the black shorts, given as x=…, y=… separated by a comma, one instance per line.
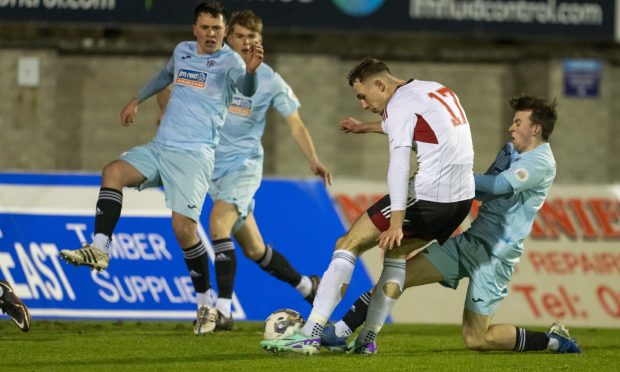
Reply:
x=423, y=219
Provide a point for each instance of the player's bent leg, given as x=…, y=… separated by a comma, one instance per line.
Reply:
x=119, y=174
x=115, y=176
x=478, y=335
x=421, y=271
x=335, y=281
x=387, y=291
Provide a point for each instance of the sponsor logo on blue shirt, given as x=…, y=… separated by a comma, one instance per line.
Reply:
x=241, y=106
x=191, y=78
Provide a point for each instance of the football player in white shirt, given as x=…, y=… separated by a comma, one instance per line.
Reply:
x=421, y=115
x=512, y=191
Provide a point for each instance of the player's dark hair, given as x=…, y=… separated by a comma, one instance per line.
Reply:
x=215, y=8
x=543, y=112
x=368, y=67
x=248, y=19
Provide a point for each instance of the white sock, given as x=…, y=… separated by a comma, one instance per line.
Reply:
x=334, y=283
x=342, y=329
x=305, y=286
x=102, y=243
x=381, y=304
x=206, y=299
x=202, y=299
x=553, y=345
x=224, y=305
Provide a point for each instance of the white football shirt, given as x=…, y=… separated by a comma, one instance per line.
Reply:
x=428, y=116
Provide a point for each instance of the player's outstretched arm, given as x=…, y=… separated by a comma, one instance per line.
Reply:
x=157, y=83
x=304, y=141
x=351, y=125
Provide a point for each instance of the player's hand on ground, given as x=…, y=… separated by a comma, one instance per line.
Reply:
x=319, y=169
x=129, y=112
x=255, y=58
x=351, y=125
x=390, y=238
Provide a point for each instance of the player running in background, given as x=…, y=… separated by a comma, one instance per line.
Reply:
x=512, y=190
x=180, y=157
x=416, y=114
x=12, y=306
x=239, y=168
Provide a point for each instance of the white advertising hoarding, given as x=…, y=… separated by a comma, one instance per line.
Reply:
x=570, y=270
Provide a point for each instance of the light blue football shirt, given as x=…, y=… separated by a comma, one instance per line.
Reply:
x=204, y=85
x=504, y=221
x=240, y=142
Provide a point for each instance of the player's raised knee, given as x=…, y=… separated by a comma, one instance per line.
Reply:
x=348, y=242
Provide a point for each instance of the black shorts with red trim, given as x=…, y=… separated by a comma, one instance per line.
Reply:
x=425, y=220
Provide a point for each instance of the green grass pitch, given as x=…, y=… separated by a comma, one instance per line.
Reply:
x=172, y=346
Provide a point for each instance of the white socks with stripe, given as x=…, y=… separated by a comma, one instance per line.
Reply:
x=388, y=290
x=334, y=284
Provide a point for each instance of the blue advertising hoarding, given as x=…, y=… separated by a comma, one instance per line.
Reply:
x=510, y=19
x=147, y=278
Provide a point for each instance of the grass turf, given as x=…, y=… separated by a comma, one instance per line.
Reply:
x=172, y=346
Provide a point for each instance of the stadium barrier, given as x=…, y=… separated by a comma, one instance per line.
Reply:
x=569, y=271
x=41, y=214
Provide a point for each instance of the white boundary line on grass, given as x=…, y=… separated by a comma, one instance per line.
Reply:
x=113, y=314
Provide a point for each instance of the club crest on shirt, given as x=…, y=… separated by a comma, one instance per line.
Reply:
x=521, y=174
x=191, y=78
x=241, y=106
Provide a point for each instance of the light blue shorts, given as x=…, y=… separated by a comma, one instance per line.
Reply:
x=465, y=256
x=183, y=174
x=238, y=188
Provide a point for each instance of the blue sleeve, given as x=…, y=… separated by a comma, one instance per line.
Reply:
x=493, y=185
x=284, y=100
x=527, y=173
x=502, y=160
x=501, y=163
x=247, y=84
x=157, y=83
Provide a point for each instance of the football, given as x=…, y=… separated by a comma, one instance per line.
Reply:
x=282, y=323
